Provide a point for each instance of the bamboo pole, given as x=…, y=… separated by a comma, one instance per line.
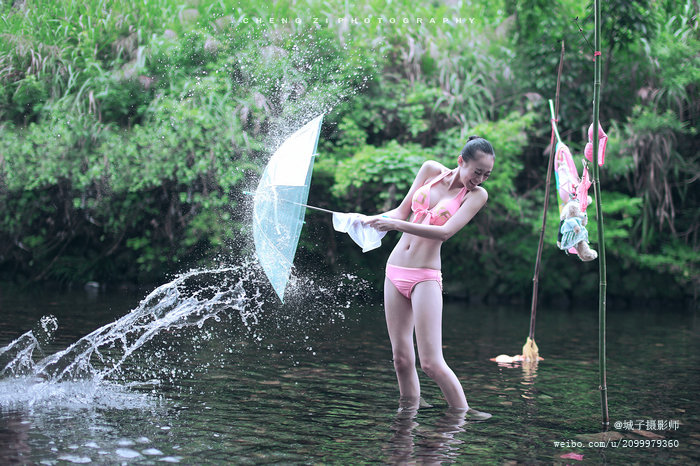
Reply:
x=530, y=350
x=599, y=217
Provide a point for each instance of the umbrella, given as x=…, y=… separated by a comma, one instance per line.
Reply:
x=279, y=203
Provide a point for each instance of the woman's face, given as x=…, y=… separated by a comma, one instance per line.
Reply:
x=475, y=171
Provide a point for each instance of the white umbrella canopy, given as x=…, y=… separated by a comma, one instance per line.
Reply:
x=279, y=203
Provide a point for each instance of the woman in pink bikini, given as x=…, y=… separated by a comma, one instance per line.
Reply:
x=440, y=202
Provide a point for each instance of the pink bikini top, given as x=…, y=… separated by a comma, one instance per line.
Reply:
x=442, y=211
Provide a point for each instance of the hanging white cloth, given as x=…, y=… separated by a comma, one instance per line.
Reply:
x=365, y=236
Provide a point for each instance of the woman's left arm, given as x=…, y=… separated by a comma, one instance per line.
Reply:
x=473, y=204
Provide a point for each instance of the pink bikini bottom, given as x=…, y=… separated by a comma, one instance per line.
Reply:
x=405, y=278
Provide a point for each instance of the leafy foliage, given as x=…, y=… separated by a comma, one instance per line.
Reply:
x=129, y=132
x=376, y=179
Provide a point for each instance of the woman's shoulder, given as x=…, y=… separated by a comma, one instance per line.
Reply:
x=431, y=168
x=479, y=194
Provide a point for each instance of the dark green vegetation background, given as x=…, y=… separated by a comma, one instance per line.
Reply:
x=129, y=131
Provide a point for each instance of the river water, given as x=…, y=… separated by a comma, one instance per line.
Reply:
x=209, y=369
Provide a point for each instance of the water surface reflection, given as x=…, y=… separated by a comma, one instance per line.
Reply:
x=428, y=443
x=304, y=386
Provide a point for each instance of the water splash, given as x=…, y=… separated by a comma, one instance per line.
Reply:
x=103, y=351
x=30, y=392
x=17, y=357
x=157, y=343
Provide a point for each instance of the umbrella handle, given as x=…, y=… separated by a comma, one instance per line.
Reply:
x=298, y=203
x=309, y=206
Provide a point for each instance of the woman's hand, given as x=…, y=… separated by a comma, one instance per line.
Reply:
x=380, y=222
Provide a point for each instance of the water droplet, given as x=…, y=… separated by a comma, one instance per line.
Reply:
x=152, y=452
x=127, y=453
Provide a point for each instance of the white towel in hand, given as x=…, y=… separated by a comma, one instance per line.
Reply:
x=365, y=236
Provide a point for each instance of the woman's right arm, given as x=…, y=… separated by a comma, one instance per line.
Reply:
x=428, y=170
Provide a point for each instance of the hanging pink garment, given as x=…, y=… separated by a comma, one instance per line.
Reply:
x=603, y=141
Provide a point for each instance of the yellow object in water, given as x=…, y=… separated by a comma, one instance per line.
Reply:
x=530, y=350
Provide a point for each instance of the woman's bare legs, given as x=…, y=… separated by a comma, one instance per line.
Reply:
x=399, y=323
x=427, y=317
x=423, y=313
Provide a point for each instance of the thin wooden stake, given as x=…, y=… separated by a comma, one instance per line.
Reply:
x=530, y=349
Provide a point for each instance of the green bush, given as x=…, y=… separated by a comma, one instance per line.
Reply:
x=129, y=131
